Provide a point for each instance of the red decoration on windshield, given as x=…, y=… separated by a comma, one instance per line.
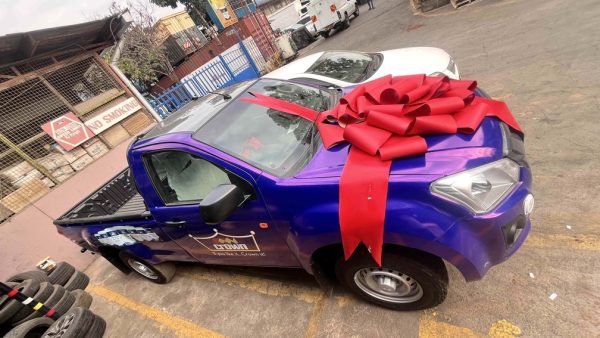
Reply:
x=385, y=119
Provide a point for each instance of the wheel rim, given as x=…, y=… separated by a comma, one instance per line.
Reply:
x=61, y=327
x=388, y=285
x=142, y=268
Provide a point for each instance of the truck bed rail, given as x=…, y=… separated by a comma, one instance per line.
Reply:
x=116, y=200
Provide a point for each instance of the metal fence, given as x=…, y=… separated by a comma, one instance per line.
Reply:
x=236, y=64
x=32, y=94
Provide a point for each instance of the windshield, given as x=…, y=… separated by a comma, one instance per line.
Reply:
x=351, y=67
x=273, y=141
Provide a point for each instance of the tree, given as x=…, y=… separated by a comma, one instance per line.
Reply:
x=143, y=58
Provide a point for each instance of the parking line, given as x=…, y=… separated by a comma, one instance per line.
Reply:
x=315, y=318
x=181, y=327
x=429, y=328
x=558, y=241
x=504, y=329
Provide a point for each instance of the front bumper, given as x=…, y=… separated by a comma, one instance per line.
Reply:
x=482, y=241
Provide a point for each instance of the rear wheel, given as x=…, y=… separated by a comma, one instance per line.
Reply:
x=156, y=273
x=403, y=282
x=346, y=21
x=325, y=34
x=357, y=11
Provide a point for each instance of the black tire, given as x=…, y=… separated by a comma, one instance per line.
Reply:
x=31, y=328
x=38, y=276
x=346, y=23
x=425, y=272
x=163, y=273
x=325, y=34
x=73, y=324
x=79, y=281
x=357, y=11
x=40, y=296
x=82, y=299
x=57, y=294
x=97, y=329
x=4, y=298
x=61, y=273
x=12, y=306
x=65, y=303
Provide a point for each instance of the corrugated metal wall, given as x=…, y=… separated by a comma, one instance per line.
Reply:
x=255, y=25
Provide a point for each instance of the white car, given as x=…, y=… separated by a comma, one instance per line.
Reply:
x=347, y=68
x=310, y=26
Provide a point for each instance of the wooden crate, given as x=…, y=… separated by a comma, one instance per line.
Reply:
x=114, y=135
x=27, y=194
x=136, y=123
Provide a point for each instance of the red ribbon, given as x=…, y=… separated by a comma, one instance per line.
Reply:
x=385, y=119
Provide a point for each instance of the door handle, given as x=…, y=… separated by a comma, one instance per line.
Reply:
x=175, y=223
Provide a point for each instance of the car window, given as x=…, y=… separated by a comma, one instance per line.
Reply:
x=351, y=67
x=306, y=96
x=304, y=20
x=273, y=141
x=183, y=177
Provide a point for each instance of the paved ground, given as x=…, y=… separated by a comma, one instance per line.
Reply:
x=543, y=58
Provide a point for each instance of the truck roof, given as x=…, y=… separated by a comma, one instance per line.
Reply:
x=195, y=114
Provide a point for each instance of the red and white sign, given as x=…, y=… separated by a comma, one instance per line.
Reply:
x=113, y=115
x=68, y=131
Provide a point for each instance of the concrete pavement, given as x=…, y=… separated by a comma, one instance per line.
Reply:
x=541, y=57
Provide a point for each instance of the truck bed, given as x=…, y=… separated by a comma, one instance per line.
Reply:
x=117, y=200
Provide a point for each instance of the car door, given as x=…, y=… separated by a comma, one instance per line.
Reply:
x=182, y=178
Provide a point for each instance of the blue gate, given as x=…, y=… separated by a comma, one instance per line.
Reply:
x=228, y=68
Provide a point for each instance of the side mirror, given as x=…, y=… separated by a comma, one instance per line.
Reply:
x=220, y=203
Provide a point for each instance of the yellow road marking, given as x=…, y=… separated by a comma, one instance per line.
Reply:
x=504, y=329
x=308, y=294
x=577, y=242
x=315, y=318
x=429, y=328
x=181, y=327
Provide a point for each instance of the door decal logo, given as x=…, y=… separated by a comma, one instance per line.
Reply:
x=125, y=235
x=219, y=242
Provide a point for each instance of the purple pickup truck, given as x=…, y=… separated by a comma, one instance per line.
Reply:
x=223, y=181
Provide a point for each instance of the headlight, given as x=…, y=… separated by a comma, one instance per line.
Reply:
x=480, y=189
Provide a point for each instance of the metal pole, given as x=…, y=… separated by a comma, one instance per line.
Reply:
x=128, y=85
x=135, y=92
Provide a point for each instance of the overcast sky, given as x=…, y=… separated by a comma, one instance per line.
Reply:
x=27, y=15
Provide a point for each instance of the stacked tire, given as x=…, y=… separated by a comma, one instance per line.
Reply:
x=63, y=290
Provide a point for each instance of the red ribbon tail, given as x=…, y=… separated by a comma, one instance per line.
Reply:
x=363, y=200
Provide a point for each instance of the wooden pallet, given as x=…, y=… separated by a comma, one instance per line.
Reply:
x=460, y=3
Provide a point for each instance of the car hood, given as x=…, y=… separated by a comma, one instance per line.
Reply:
x=447, y=154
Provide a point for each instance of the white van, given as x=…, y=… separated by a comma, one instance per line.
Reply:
x=331, y=14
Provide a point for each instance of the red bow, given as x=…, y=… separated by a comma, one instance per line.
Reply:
x=383, y=120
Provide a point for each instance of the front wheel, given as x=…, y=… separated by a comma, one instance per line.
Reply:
x=325, y=34
x=157, y=273
x=403, y=282
x=356, y=12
